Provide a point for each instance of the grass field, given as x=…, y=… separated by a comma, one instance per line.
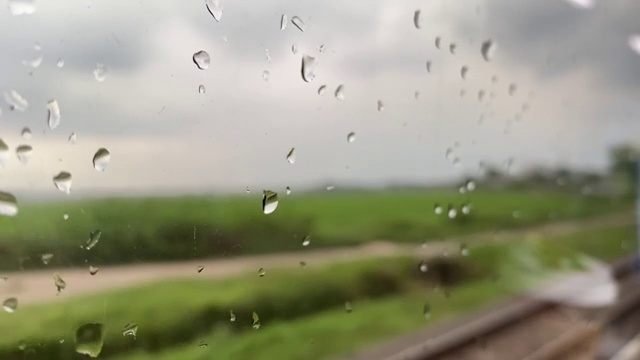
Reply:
x=301, y=311
x=155, y=229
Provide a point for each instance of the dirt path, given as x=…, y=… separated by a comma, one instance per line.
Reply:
x=37, y=286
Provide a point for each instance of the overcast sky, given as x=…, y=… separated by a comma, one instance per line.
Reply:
x=573, y=67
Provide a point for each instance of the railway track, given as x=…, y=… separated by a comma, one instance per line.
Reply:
x=526, y=328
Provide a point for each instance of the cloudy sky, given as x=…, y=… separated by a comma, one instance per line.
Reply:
x=572, y=65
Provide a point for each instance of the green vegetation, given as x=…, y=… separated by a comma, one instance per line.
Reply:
x=301, y=311
x=159, y=229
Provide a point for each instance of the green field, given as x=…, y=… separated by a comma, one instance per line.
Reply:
x=156, y=229
x=301, y=311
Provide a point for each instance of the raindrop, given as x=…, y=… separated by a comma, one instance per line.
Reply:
x=339, y=93
x=634, y=43
x=100, y=72
x=8, y=204
x=283, y=22
x=466, y=209
x=62, y=181
x=351, y=137
x=456, y=162
x=463, y=72
x=22, y=7
x=26, y=133
x=452, y=48
x=488, y=50
x=294, y=49
x=202, y=89
x=448, y=154
x=437, y=209
x=269, y=201
x=462, y=190
x=298, y=23
x=35, y=62
x=464, y=250
x=416, y=19
x=348, y=307
x=380, y=106
x=470, y=185
x=265, y=75
x=426, y=311
x=53, y=119
x=481, y=95
x=512, y=89
x=72, y=138
x=58, y=282
x=309, y=64
x=437, y=42
x=262, y=272
x=65, y=216
x=215, y=8
x=256, y=321
x=322, y=90
x=202, y=344
x=60, y=63
x=330, y=187
x=10, y=305
x=429, y=67
x=90, y=339
x=93, y=270
x=94, y=238
x=267, y=55
x=452, y=212
x=46, y=258
x=101, y=159
x=303, y=263
x=232, y=316
x=201, y=59
x=247, y=190
x=16, y=101
x=583, y=4
x=423, y=267
x=306, y=241
x=200, y=269
x=24, y=152
x=130, y=329
x=291, y=156
x=288, y=190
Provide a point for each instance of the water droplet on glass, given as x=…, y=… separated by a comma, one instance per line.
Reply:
x=15, y=100
x=291, y=156
x=94, y=238
x=130, y=329
x=60, y=63
x=58, y=282
x=463, y=72
x=512, y=89
x=481, y=95
x=8, y=204
x=26, y=133
x=262, y=272
x=416, y=94
x=583, y=4
x=423, y=266
x=232, y=316
x=53, y=118
x=22, y=7
x=464, y=250
x=283, y=22
x=24, y=152
x=437, y=42
x=452, y=48
x=93, y=270
x=466, y=209
x=634, y=43
x=10, y=305
x=62, y=181
x=322, y=90
x=426, y=311
x=288, y=190
x=265, y=75
x=247, y=190
x=488, y=50
x=202, y=344
x=306, y=241
x=100, y=72
x=462, y=190
x=416, y=19
x=269, y=201
x=348, y=307
x=429, y=66
x=35, y=62
x=494, y=79
x=72, y=138
x=256, y=321
x=101, y=159
x=339, y=94
x=303, y=264
x=470, y=185
x=298, y=23
x=380, y=106
x=215, y=8
x=201, y=59
x=267, y=55
x=89, y=339
x=437, y=209
x=200, y=269
x=294, y=49
x=46, y=258
x=201, y=89
x=330, y=187
x=351, y=137
x=65, y=216
x=452, y=212
x=309, y=64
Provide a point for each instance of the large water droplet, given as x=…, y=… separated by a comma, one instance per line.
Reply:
x=380, y=106
x=22, y=7
x=93, y=270
x=90, y=339
x=437, y=41
x=306, y=241
x=58, y=282
x=26, y=133
x=298, y=23
x=452, y=212
x=10, y=305
x=262, y=272
x=322, y=90
x=201, y=59
x=423, y=266
x=351, y=137
x=202, y=89
x=291, y=156
x=101, y=159
x=426, y=311
x=100, y=72
x=417, y=19
x=466, y=209
x=256, y=321
x=130, y=329
x=15, y=100
x=53, y=118
x=60, y=63
x=288, y=190
x=470, y=185
x=94, y=238
x=8, y=204
x=35, y=62
x=283, y=22
x=62, y=181
x=232, y=316
x=24, y=152
x=215, y=8
x=269, y=201
x=488, y=50
x=437, y=209
x=513, y=88
x=463, y=72
x=339, y=93
x=309, y=64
